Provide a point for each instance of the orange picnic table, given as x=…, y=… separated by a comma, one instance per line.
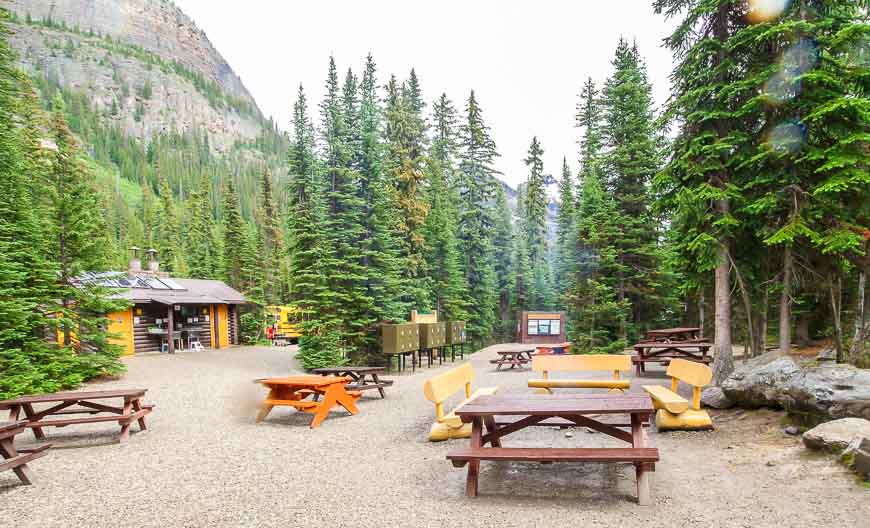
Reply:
x=295, y=391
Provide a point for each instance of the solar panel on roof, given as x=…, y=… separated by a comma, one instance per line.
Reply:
x=172, y=284
x=156, y=284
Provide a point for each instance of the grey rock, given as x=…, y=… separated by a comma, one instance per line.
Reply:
x=836, y=436
x=792, y=430
x=828, y=354
x=862, y=458
x=823, y=391
x=715, y=397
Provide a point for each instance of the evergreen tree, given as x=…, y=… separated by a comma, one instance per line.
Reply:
x=234, y=234
x=308, y=250
x=589, y=119
x=170, y=232
x=272, y=249
x=535, y=224
x=505, y=265
x=405, y=167
x=201, y=251
x=476, y=184
x=28, y=362
x=80, y=244
x=565, y=244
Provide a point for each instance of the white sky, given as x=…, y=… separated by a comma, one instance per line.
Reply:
x=526, y=61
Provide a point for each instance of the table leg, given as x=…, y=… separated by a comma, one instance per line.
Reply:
x=7, y=449
x=489, y=421
x=14, y=412
x=266, y=408
x=378, y=381
x=125, y=425
x=137, y=407
x=474, y=465
x=30, y=414
x=641, y=470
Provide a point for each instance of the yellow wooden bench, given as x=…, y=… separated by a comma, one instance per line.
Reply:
x=580, y=362
x=674, y=411
x=438, y=389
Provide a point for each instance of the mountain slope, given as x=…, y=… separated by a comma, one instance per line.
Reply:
x=142, y=62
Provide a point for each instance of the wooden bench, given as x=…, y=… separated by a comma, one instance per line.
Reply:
x=576, y=363
x=438, y=389
x=674, y=411
x=637, y=455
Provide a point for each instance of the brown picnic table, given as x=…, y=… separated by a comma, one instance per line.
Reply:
x=358, y=377
x=530, y=410
x=514, y=358
x=78, y=403
x=668, y=335
x=664, y=352
x=17, y=459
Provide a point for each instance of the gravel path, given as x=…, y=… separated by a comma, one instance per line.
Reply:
x=204, y=462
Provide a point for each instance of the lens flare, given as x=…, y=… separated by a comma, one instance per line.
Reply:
x=766, y=10
x=858, y=55
x=801, y=58
x=781, y=87
x=787, y=138
x=797, y=60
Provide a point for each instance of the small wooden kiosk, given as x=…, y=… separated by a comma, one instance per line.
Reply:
x=544, y=328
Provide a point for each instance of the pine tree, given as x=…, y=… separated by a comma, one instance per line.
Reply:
x=381, y=259
x=476, y=184
x=505, y=265
x=170, y=230
x=565, y=244
x=202, y=253
x=28, y=362
x=629, y=163
x=233, y=238
x=589, y=119
x=308, y=250
x=405, y=167
x=80, y=244
x=272, y=244
x=535, y=224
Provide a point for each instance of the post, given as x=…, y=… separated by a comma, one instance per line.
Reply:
x=170, y=324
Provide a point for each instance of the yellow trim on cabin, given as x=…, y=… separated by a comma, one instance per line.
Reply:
x=537, y=316
x=223, y=325
x=121, y=324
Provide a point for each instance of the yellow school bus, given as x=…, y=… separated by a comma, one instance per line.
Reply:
x=285, y=321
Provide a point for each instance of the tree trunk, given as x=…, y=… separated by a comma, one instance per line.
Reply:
x=785, y=303
x=761, y=324
x=802, y=330
x=836, y=291
x=860, y=318
x=701, y=313
x=724, y=362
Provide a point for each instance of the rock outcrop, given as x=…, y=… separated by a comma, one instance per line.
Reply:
x=143, y=64
x=836, y=436
x=820, y=392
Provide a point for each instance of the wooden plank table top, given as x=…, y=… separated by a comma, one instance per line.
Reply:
x=362, y=378
x=672, y=331
x=532, y=409
x=72, y=395
x=85, y=402
x=555, y=405
x=294, y=391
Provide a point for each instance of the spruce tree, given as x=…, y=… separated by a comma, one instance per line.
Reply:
x=233, y=238
x=309, y=250
x=535, y=224
x=476, y=184
x=272, y=244
x=170, y=242
x=202, y=254
x=589, y=119
x=505, y=265
x=565, y=231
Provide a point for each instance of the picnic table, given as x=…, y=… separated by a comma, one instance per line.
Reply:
x=358, y=377
x=668, y=335
x=534, y=409
x=78, y=403
x=696, y=351
x=17, y=459
x=514, y=358
x=292, y=391
x=552, y=348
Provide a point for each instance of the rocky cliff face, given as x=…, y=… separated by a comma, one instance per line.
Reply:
x=141, y=62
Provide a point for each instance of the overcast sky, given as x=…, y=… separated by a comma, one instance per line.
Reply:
x=526, y=61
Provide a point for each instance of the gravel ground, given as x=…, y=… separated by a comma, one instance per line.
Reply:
x=204, y=462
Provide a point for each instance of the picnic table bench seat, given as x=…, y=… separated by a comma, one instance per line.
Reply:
x=441, y=387
x=577, y=363
x=17, y=459
x=639, y=455
x=361, y=378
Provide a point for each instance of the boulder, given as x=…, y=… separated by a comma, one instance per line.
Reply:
x=861, y=458
x=818, y=391
x=715, y=397
x=836, y=436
